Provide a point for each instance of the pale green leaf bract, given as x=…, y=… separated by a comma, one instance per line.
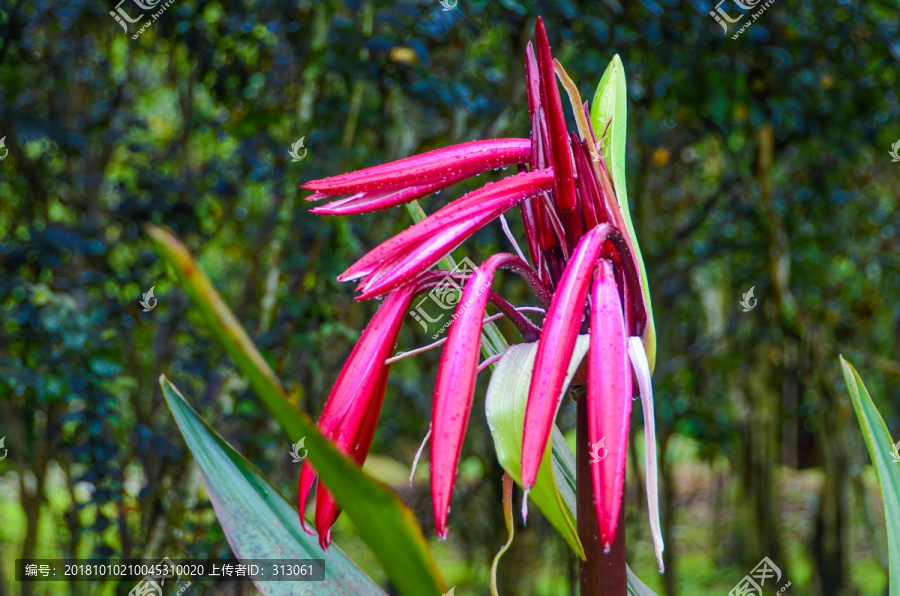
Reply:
x=505, y=402
x=610, y=106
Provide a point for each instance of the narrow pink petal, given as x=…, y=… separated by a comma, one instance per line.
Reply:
x=307, y=477
x=559, y=141
x=359, y=379
x=454, y=389
x=470, y=158
x=437, y=235
x=354, y=436
x=361, y=372
x=466, y=207
x=326, y=513
x=555, y=349
x=405, y=266
x=366, y=201
x=608, y=398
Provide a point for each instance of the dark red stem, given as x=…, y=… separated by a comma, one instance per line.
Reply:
x=600, y=574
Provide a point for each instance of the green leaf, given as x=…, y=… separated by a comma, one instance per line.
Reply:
x=383, y=521
x=610, y=105
x=258, y=521
x=635, y=586
x=880, y=446
x=505, y=402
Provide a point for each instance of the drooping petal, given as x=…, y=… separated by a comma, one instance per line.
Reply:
x=469, y=158
x=360, y=377
x=555, y=349
x=360, y=374
x=608, y=398
x=354, y=436
x=307, y=477
x=454, y=389
x=642, y=373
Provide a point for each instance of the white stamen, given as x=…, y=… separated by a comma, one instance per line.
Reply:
x=642, y=372
x=511, y=238
x=403, y=355
x=489, y=362
x=419, y=454
x=440, y=342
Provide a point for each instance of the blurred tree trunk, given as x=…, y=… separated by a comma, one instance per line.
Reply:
x=759, y=455
x=830, y=548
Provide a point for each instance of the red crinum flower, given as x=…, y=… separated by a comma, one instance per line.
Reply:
x=584, y=269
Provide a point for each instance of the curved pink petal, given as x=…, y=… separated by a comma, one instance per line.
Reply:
x=304, y=485
x=360, y=377
x=361, y=371
x=555, y=349
x=469, y=158
x=469, y=206
x=454, y=388
x=608, y=398
x=408, y=260
x=354, y=436
x=326, y=513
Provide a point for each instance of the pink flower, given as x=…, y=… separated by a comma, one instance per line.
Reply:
x=582, y=268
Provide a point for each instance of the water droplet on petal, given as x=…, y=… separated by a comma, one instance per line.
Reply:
x=606, y=548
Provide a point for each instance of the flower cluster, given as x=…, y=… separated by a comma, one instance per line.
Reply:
x=583, y=268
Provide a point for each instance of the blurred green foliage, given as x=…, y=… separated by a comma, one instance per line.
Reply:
x=761, y=161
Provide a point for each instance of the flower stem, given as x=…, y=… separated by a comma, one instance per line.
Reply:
x=599, y=574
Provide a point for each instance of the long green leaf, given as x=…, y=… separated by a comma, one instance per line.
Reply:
x=382, y=520
x=258, y=521
x=505, y=402
x=880, y=446
x=610, y=105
